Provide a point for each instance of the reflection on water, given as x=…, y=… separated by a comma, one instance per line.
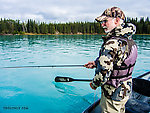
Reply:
x=35, y=87
x=9, y=91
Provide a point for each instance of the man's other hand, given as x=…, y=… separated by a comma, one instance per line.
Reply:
x=90, y=65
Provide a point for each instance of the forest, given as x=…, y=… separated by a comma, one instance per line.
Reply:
x=13, y=27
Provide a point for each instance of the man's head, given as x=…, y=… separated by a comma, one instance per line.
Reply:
x=111, y=18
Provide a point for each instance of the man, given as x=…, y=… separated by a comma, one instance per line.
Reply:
x=116, y=60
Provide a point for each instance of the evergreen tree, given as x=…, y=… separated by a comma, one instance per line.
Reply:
x=8, y=26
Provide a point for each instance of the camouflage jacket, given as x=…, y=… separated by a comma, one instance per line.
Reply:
x=113, y=52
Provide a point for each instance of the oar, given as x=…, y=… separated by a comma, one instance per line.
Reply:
x=141, y=86
x=69, y=79
x=143, y=74
x=48, y=66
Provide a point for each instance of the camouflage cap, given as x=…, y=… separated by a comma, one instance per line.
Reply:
x=111, y=12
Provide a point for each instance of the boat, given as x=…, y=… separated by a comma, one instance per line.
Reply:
x=139, y=101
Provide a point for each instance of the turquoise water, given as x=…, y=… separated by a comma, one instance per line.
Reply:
x=33, y=90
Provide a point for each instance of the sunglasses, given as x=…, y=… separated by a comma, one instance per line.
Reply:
x=104, y=21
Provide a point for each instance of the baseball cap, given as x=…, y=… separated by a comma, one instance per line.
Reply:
x=111, y=12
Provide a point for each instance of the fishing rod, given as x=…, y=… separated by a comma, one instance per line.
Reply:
x=47, y=66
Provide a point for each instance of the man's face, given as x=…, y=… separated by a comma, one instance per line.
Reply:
x=108, y=24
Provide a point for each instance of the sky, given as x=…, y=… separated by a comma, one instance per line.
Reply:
x=69, y=10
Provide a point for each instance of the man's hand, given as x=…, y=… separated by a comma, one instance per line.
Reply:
x=90, y=65
x=92, y=86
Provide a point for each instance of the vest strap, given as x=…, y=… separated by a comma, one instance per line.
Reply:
x=119, y=77
x=123, y=68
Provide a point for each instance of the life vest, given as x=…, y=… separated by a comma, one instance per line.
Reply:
x=124, y=72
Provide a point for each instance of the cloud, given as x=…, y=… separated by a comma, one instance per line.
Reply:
x=68, y=10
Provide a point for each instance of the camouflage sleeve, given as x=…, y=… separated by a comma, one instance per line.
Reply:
x=105, y=62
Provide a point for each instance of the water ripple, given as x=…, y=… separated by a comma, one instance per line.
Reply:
x=10, y=91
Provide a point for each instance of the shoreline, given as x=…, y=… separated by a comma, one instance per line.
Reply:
x=60, y=34
x=51, y=34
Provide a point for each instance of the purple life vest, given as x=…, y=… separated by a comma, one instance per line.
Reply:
x=124, y=72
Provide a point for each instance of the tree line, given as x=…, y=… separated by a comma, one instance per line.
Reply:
x=9, y=26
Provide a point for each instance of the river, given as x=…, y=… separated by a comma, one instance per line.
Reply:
x=33, y=90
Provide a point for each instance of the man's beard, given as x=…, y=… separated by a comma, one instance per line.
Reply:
x=106, y=31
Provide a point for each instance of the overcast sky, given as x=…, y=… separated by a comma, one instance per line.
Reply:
x=69, y=10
